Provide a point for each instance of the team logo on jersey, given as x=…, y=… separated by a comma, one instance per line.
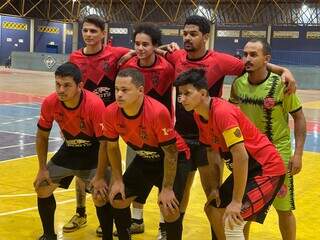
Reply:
x=143, y=133
x=283, y=191
x=78, y=143
x=269, y=103
x=237, y=133
x=166, y=131
x=106, y=66
x=155, y=79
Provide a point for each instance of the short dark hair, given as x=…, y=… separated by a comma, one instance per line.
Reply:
x=151, y=30
x=266, y=48
x=69, y=69
x=201, y=22
x=136, y=76
x=194, y=76
x=96, y=20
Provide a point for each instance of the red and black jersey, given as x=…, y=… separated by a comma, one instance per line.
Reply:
x=158, y=78
x=146, y=132
x=99, y=70
x=80, y=126
x=227, y=126
x=217, y=65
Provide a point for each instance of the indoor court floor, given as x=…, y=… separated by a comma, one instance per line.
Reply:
x=21, y=93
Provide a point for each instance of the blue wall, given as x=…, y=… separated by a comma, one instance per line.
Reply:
x=20, y=39
x=69, y=38
x=41, y=39
x=232, y=44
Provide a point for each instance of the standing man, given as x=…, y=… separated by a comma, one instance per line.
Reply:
x=78, y=114
x=98, y=64
x=158, y=76
x=146, y=126
x=257, y=168
x=260, y=95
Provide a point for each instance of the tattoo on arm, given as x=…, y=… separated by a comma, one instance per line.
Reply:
x=170, y=165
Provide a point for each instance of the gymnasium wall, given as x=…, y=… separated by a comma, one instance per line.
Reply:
x=48, y=36
x=14, y=36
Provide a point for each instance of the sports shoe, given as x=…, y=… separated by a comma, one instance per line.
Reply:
x=135, y=228
x=48, y=237
x=99, y=231
x=162, y=234
x=75, y=223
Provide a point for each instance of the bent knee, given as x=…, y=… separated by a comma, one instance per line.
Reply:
x=44, y=192
x=120, y=204
x=171, y=217
x=98, y=200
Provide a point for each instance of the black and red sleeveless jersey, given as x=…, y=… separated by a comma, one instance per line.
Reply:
x=99, y=70
x=217, y=65
x=80, y=126
x=146, y=132
x=158, y=78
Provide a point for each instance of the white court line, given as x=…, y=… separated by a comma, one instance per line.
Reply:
x=27, y=134
x=34, y=208
x=17, y=106
x=20, y=120
x=23, y=158
x=26, y=144
x=33, y=194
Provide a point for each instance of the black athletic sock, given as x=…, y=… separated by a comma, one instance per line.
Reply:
x=46, y=208
x=105, y=217
x=81, y=211
x=213, y=235
x=138, y=221
x=174, y=230
x=122, y=218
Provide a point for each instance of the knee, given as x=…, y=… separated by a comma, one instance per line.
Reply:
x=285, y=214
x=98, y=200
x=43, y=192
x=120, y=204
x=236, y=232
x=168, y=215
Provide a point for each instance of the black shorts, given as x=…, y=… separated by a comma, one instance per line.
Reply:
x=198, y=153
x=142, y=175
x=259, y=194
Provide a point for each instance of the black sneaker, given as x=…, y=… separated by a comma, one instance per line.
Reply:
x=48, y=237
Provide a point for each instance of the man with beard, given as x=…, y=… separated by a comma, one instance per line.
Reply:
x=260, y=95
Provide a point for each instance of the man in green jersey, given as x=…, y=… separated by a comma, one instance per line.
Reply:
x=260, y=95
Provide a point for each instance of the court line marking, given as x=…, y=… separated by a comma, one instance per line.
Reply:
x=27, y=134
x=32, y=194
x=20, y=120
x=34, y=208
x=26, y=144
x=17, y=106
x=24, y=158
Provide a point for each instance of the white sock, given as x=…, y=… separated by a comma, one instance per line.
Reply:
x=161, y=218
x=236, y=233
x=137, y=213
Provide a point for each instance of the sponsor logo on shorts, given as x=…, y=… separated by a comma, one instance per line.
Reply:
x=148, y=154
x=283, y=191
x=78, y=143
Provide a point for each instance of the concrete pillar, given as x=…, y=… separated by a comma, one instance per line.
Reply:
x=32, y=32
x=64, y=38
x=212, y=35
x=269, y=34
x=75, y=40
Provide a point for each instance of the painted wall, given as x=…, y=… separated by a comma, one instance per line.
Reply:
x=231, y=45
x=46, y=32
x=14, y=36
x=69, y=38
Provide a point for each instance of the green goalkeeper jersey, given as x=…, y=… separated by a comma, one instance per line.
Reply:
x=268, y=108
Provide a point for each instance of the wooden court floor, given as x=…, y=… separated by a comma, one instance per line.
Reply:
x=18, y=212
